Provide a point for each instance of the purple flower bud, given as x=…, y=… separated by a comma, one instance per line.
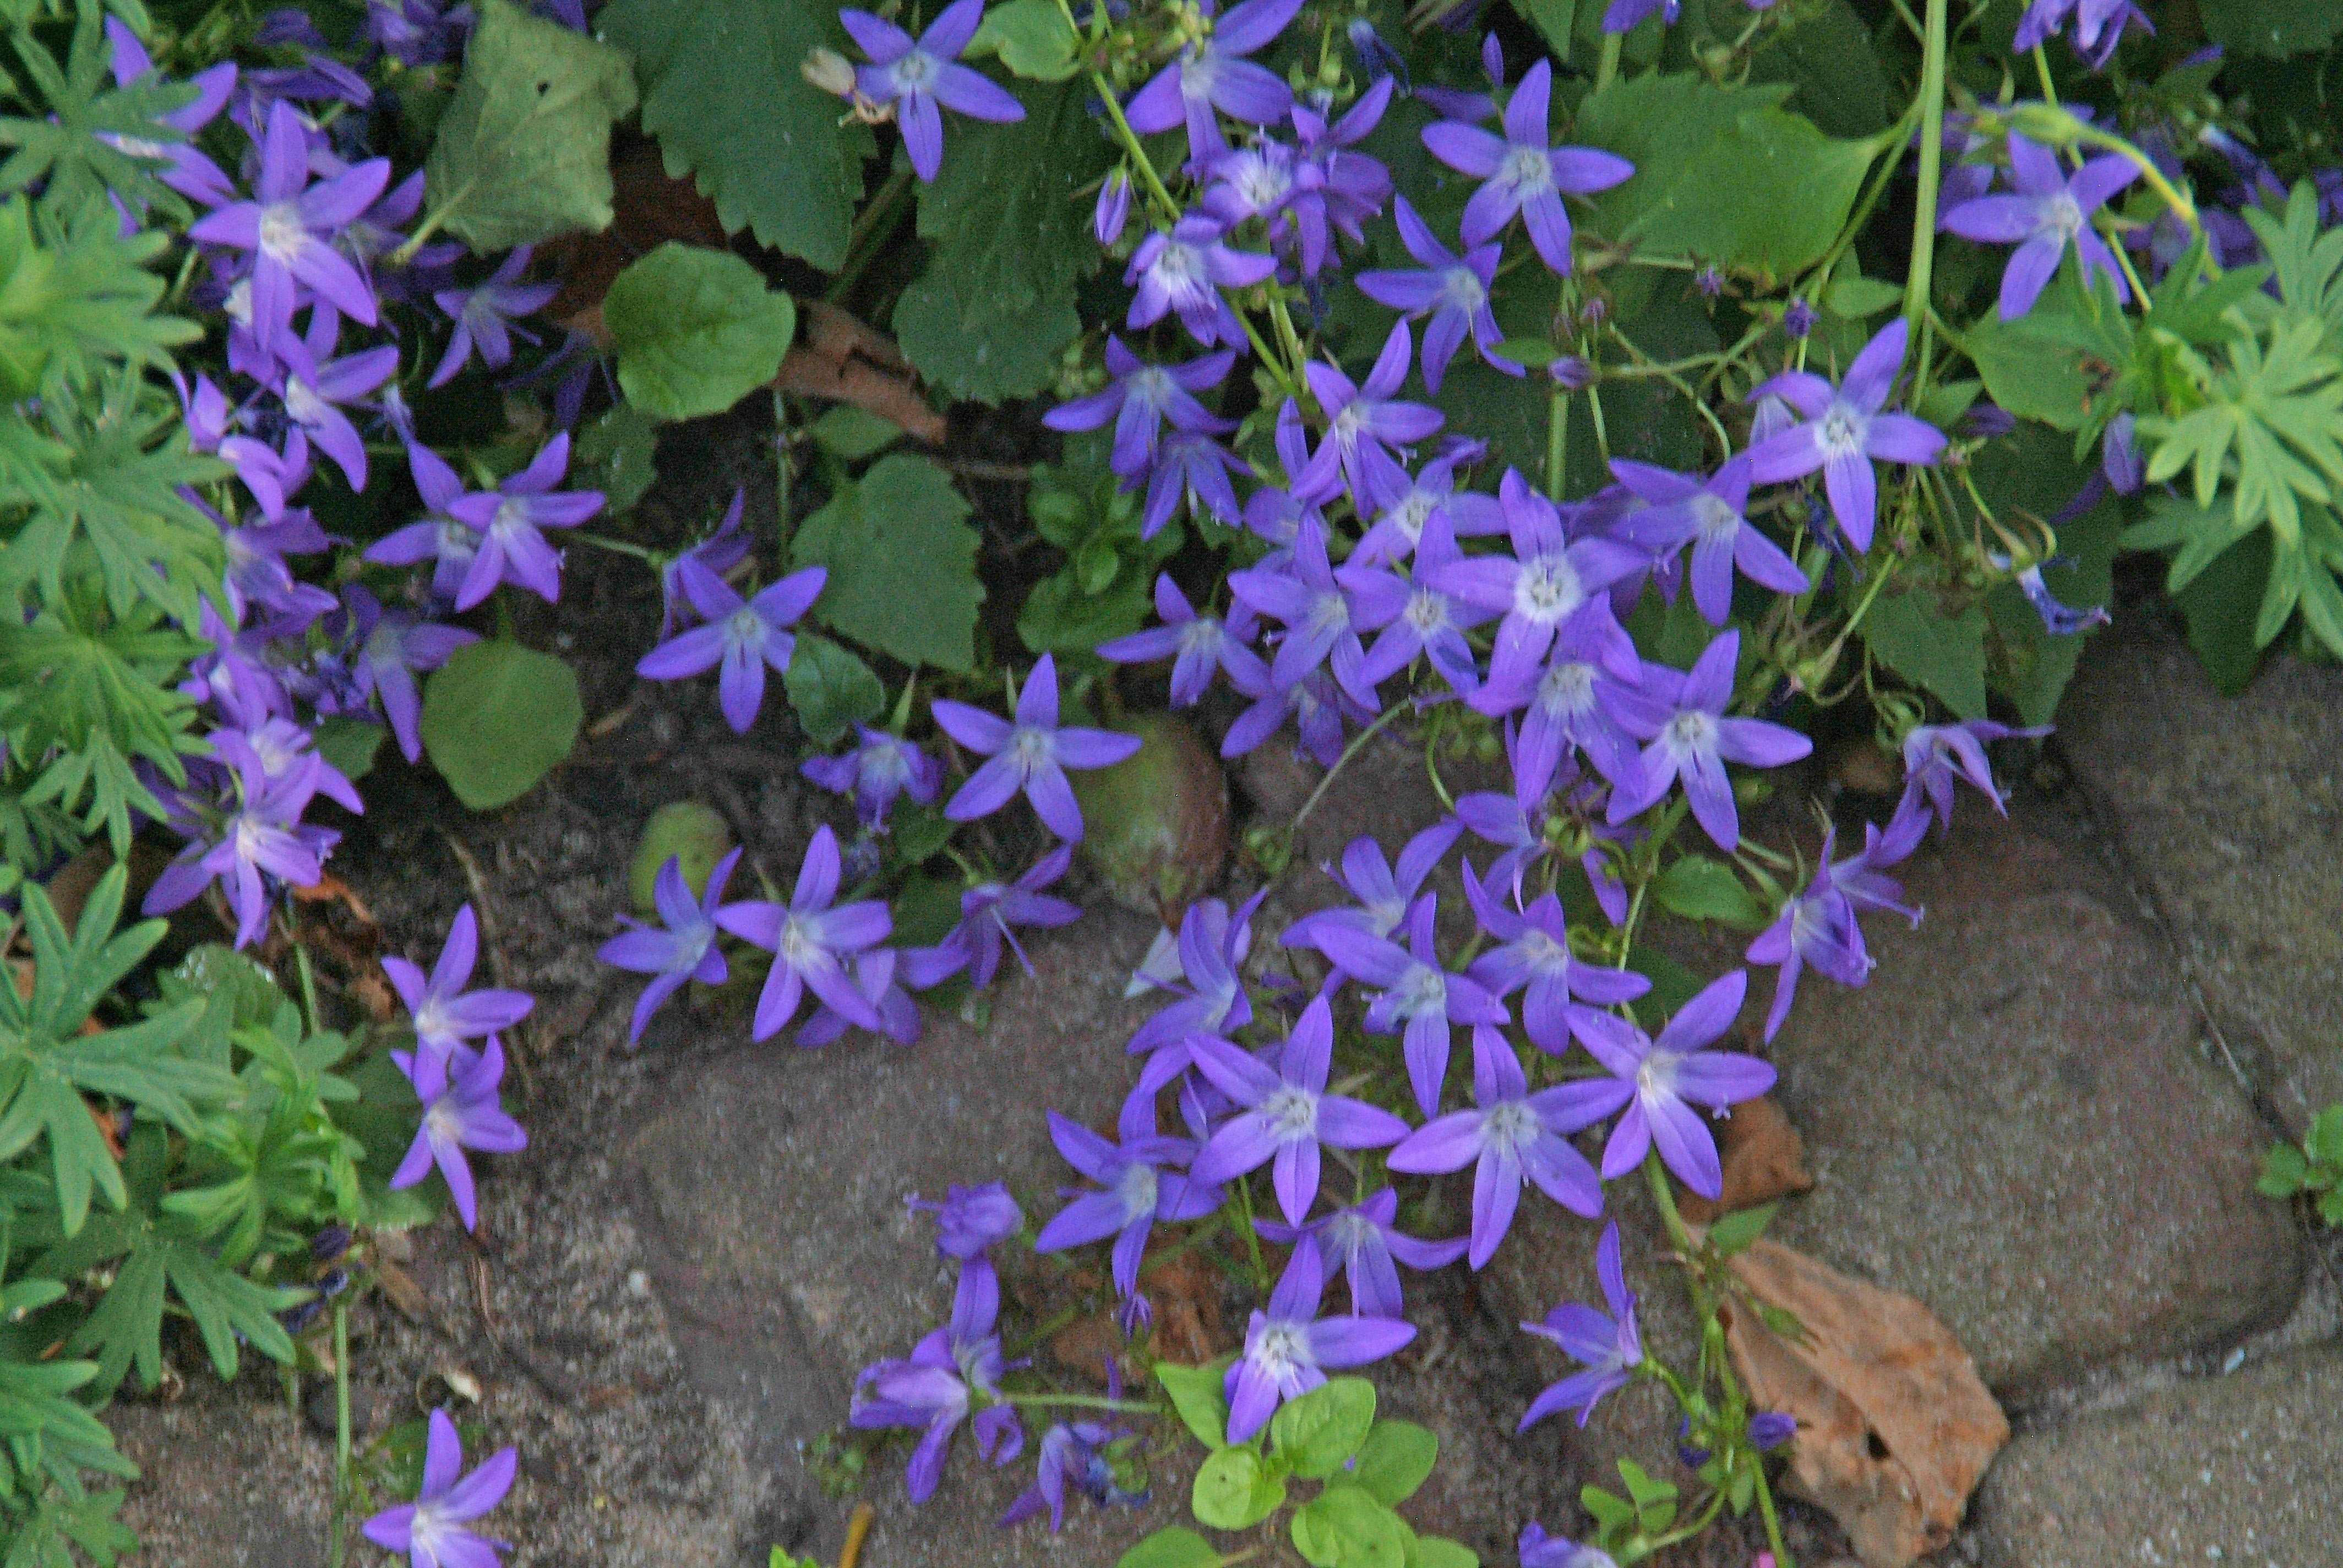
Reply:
x=971, y=1218
x=1572, y=373
x=1798, y=319
x=1709, y=281
x=1113, y=208
x=1985, y=420
x=1770, y=1429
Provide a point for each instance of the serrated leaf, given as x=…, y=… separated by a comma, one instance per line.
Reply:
x=1234, y=1490
x=1004, y=216
x=723, y=95
x=1196, y=1394
x=903, y=563
x=1912, y=635
x=831, y=688
x=523, y=152
x=76, y=297
x=1316, y=1433
x=497, y=717
x=696, y=330
x=90, y=136
x=1396, y=1460
x=617, y=453
x=976, y=354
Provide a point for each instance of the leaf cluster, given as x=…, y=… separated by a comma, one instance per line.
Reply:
x=2312, y=1171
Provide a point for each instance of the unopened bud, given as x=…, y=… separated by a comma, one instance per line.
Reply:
x=2046, y=123
x=830, y=71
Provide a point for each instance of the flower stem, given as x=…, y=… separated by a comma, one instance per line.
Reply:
x=1606, y=64
x=1557, y=442
x=1358, y=744
x=1932, y=158
x=341, y=1432
x=1782, y=1557
x=1081, y=1401
x=621, y=547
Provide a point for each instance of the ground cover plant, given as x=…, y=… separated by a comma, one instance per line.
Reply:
x=1615, y=397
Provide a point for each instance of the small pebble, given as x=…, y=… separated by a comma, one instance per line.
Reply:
x=318, y=1406
x=639, y=1283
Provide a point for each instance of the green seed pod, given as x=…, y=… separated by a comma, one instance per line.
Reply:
x=695, y=835
x=1155, y=827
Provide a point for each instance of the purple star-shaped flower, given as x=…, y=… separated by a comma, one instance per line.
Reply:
x=1288, y=1346
x=1606, y=1344
x=1707, y=514
x=1549, y=580
x=744, y=636
x=259, y=837
x=431, y=1529
x=1578, y=699
x=394, y=648
x=809, y=942
x=445, y=1015
x=880, y=767
x=1844, y=429
x=933, y=1388
x=1622, y=15
x=1210, y=993
x=1365, y=416
x=1509, y=1137
x=1534, y=951
x=460, y=1112
x=512, y=549
x=2050, y=211
x=1214, y=74
x=1522, y=171
x=720, y=552
x=1336, y=186
x=1415, y=617
x=483, y=313
x=314, y=386
x=1387, y=897
x=1536, y=1549
x=1817, y=926
x=685, y=950
x=1317, y=707
x=1190, y=468
x=1196, y=644
x=1689, y=737
x=1657, y=1082
x=1286, y=1114
x=1181, y=271
x=987, y=911
x=185, y=168
x=452, y=546
x=1031, y=755
x=1935, y=753
x=2099, y=27
x=916, y=77
x=1418, y=998
x=971, y=1218
x=1143, y=1183
x=1364, y=1243
x=1140, y=398
x=1402, y=506
x=1308, y=599
x=1454, y=292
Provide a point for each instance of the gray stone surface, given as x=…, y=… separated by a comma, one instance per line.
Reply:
x=221, y=1486
x=2232, y=811
x=2245, y=1470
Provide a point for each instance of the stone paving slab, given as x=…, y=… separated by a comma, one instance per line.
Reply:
x=2231, y=811
x=2245, y=1470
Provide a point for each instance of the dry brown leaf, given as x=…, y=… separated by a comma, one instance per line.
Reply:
x=1764, y=1159
x=1894, y=1426
x=649, y=208
x=844, y=360
x=403, y=1293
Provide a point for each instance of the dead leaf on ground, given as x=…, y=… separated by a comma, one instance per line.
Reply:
x=845, y=360
x=1764, y=1159
x=649, y=208
x=403, y=1293
x=1894, y=1426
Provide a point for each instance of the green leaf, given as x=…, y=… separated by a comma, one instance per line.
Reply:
x=1553, y=20
x=617, y=453
x=1343, y=1527
x=1031, y=37
x=903, y=563
x=1174, y=1546
x=2032, y=470
x=2276, y=28
x=1234, y=1490
x=1316, y=1433
x=696, y=329
x=1609, y=1509
x=2218, y=605
x=1701, y=888
x=1825, y=52
x=497, y=717
x=1946, y=655
x=350, y=744
x=2285, y=1172
x=1196, y=1394
x=1735, y=1232
x=2027, y=370
x=853, y=434
x=523, y=152
x=831, y=688
x=2324, y=1141
x=1394, y=1460
x=1643, y=1489
x=1858, y=297
x=1438, y=1552
x=1724, y=173
x=78, y=299
x=89, y=136
x=723, y=93
x=977, y=352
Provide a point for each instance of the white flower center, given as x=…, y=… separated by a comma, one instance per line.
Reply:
x=1508, y=1128
x=1842, y=431
x=1548, y=589
x=1460, y=289
x=1422, y=990
x=455, y=541
x=2062, y=215
x=511, y=517
x=1031, y=747
x=1714, y=518
x=1149, y=387
x=1410, y=516
x=1180, y=271
x=1566, y=691
x=1260, y=182
x=1543, y=954
x=1527, y=170
x=744, y=628
x=1294, y=1113
x=1281, y=1350
x=1201, y=636
x=1692, y=730
x=302, y=404
x=282, y=232
x=1345, y=431
x=797, y=942
x=1136, y=1188
x=915, y=71
x=1328, y=612
x=1427, y=612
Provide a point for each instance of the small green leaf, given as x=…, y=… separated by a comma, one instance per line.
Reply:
x=1031, y=37
x=1914, y=638
x=853, y=434
x=831, y=688
x=498, y=717
x=1196, y=1394
x=1611, y=1511
x=1316, y=1433
x=1735, y=1232
x=523, y=152
x=1783, y=1322
x=1343, y=1527
x=696, y=329
x=1234, y=1490
x=1172, y=1547
x=1643, y=1488
x=1701, y=888
x=2285, y=1172
x=1438, y=1552
x=2324, y=1141
x=617, y=453
x=1857, y=298
x=2275, y=28
x=1553, y=19
x=903, y=563
x=349, y=745
x=1394, y=1460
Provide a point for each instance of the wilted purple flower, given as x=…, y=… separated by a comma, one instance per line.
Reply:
x=2058, y=619
x=1212, y=74
x=1075, y=1452
x=880, y=767
x=809, y=942
x=1183, y=271
x=1845, y=430
x=1657, y=1081
x=1113, y=206
x=185, y=169
x=1935, y=753
x=1197, y=645
x=1578, y=699
x=1306, y=597
x=483, y=315
x=1142, y=1181
x=1549, y=581
x=685, y=950
x=971, y=1218
x=1691, y=739
x=1377, y=57
x=2050, y=211
x=1363, y=1242
x=744, y=636
x=1286, y=1114
x=431, y=1529
x=1799, y=320
x=1523, y=172
x=1140, y=398
x=1190, y=467
x=1031, y=755
x=986, y=913
x=289, y=227
x=1511, y=1136
x=460, y=1110
x=1288, y=1346
x=1415, y=617
x=947, y=1374
x=1816, y=928
x=1608, y=1344
x=1707, y=513
x=450, y=545
x=917, y=76
x=1534, y=951
x=444, y=1014
x=1536, y=1549
x=1454, y=292
x=2099, y=27
x=1416, y=996
x=1365, y=417
x=511, y=549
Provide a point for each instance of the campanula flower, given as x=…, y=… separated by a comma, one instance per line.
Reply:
x=460, y=1112
x=1532, y=951
x=1192, y=468
x=444, y=1013
x=1364, y=1241
x=746, y=637
x=720, y=552
x=1180, y=271
x=507, y=520
x=1608, y=1343
x=917, y=76
x=1622, y=15
x=1209, y=992
x=1308, y=599
x=2099, y=27
x=450, y=545
x=1113, y=206
x=1288, y=1346
x=1522, y=171
x=809, y=942
x=1844, y=429
x=1657, y=1081
x=1144, y=1179
x=1029, y=755
x=1214, y=74
x=1454, y=291
x=1933, y=754
x=1414, y=617
x=1140, y=398
x=1196, y=644
x=1707, y=514
x=1689, y=737
x=1415, y=996
x=1388, y=896
x=1549, y=581
x=432, y=1529
x=313, y=386
x=2050, y=211
x=971, y=1219
x=987, y=911
x=394, y=648
x=484, y=314
x=881, y=768
x=1337, y=187
x=1816, y=928
x=685, y=950
x=1402, y=506
x=185, y=169
x=955, y=1369
x=1577, y=700
x=1365, y=416
x=1536, y=1549
x=1316, y=705
x=2060, y=619
x=257, y=835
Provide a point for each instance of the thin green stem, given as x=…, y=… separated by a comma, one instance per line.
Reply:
x=1781, y=1558
x=1932, y=158
x=2183, y=207
x=1080, y=1401
x=620, y=547
x=341, y=1432
x=1156, y=188
x=1606, y=64
x=1358, y=744
x=873, y=226
x=1557, y=442
x=2042, y=74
